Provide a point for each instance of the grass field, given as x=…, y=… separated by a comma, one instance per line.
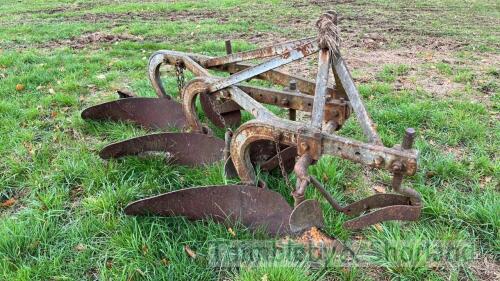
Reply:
x=431, y=65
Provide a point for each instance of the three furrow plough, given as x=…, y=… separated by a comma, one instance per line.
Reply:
x=267, y=141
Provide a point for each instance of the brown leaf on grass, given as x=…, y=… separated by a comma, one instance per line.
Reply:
x=109, y=263
x=80, y=247
x=145, y=249
x=189, y=251
x=325, y=177
x=232, y=232
x=165, y=261
x=378, y=226
x=53, y=114
x=8, y=203
x=379, y=188
x=19, y=87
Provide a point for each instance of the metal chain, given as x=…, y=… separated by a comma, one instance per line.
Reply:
x=217, y=112
x=179, y=72
x=280, y=162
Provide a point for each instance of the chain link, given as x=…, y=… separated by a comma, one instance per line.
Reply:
x=179, y=72
x=211, y=99
x=280, y=162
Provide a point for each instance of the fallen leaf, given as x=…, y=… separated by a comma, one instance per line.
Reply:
x=190, y=252
x=165, y=261
x=145, y=249
x=325, y=177
x=19, y=87
x=80, y=247
x=264, y=277
x=53, y=114
x=109, y=263
x=51, y=91
x=378, y=226
x=8, y=202
x=379, y=188
x=101, y=76
x=231, y=231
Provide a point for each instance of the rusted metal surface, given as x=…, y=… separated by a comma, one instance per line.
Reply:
x=255, y=208
x=288, y=155
x=154, y=113
x=357, y=105
x=283, y=59
x=334, y=110
x=320, y=92
x=228, y=110
x=270, y=51
x=397, y=212
x=189, y=149
x=306, y=215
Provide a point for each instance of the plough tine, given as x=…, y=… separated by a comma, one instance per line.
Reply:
x=396, y=212
x=189, y=149
x=255, y=208
x=375, y=201
x=151, y=113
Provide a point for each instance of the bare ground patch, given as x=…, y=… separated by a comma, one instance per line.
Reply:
x=90, y=39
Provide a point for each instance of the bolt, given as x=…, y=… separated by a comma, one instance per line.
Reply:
x=292, y=85
x=408, y=138
x=397, y=167
x=379, y=161
x=229, y=47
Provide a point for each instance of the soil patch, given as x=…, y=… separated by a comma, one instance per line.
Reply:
x=89, y=39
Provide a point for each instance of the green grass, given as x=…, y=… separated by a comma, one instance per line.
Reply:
x=67, y=222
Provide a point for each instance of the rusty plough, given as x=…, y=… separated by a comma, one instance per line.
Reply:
x=267, y=141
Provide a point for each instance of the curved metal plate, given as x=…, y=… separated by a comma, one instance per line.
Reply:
x=229, y=111
x=376, y=201
x=153, y=113
x=190, y=149
x=397, y=212
x=256, y=208
x=306, y=215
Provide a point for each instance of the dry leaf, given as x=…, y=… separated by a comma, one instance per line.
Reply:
x=53, y=114
x=325, y=177
x=231, y=231
x=190, y=252
x=165, y=261
x=80, y=247
x=51, y=91
x=140, y=272
x=8, y=203
x=109, y=263
x=264, y=277
x=379, y=188
x=19, y=87
x=378, y=226
x=101, y=76
x=145, y=249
